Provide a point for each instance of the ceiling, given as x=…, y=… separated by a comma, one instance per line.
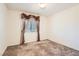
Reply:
x=50, y=9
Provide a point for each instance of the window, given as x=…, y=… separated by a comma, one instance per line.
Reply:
x=31, y=25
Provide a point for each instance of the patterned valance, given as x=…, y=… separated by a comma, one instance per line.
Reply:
x=23, y=15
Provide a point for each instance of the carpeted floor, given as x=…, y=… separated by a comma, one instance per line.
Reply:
x=42, y=48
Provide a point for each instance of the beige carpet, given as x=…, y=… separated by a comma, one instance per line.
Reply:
x=42, y=48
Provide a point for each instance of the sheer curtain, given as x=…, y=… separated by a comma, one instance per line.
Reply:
x=30, y=30
x=30, y=25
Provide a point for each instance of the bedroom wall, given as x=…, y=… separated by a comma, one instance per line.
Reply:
x=65, y=27
x=14, y=28
x=3, y=18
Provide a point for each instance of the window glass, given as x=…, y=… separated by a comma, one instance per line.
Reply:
x=31, y=25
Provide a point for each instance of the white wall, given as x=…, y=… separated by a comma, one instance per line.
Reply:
x=65, y=27
x=14, y=28
x=3, y=41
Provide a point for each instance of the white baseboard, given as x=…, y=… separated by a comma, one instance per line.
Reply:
x=2, y=51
